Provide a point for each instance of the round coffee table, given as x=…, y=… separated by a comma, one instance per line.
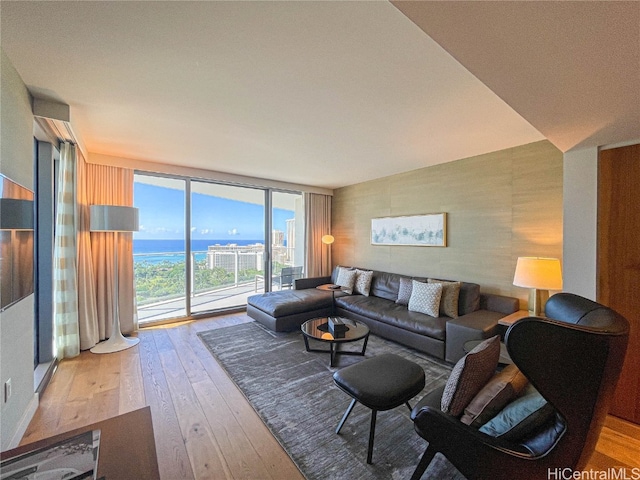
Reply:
x=318, y=329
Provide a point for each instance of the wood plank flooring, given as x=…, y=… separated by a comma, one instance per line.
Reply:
x=204, y=427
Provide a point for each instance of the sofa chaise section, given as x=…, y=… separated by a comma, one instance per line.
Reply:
x=286, y=310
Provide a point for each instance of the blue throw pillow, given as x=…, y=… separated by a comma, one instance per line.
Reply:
x=520, y=417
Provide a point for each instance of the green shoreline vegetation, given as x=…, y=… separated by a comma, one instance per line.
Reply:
x=161, y=281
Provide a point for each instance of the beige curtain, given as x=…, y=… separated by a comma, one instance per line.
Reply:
x=65, y=291
x=87, y=309
x=317, y=224
x=107, y=185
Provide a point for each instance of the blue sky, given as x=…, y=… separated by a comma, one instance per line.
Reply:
x=162, y=216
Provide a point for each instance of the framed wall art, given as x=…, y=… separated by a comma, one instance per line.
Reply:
x=429, y=230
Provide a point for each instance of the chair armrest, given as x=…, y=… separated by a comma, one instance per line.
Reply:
x=313, y=282
x=475, y=454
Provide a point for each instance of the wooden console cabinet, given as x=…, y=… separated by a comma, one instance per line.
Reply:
x=127, y=446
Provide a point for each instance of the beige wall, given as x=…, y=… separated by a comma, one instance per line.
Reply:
x=16, y=322
x=499, y=206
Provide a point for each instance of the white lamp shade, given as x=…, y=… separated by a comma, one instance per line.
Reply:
x=327, y=239
x=113, y=218
x=537, y=272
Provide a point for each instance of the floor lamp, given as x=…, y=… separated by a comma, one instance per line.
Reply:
x=327, y=240
x=116, y=219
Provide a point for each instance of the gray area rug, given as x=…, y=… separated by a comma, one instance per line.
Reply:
x=293, y=392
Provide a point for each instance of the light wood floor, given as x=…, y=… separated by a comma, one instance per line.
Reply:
x=204, y=427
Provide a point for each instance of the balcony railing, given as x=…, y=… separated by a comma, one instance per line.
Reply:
x=160, y=282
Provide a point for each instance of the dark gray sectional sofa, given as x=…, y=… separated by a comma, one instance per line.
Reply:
x=442, y=337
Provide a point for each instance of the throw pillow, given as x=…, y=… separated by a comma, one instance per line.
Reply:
x=363, y=282
x=503, y=387
x=425, y=298
x=450, y=295
x=346, y=279
x=469, y=375
x=404, y=291
x=520, y=417
x=336, y=273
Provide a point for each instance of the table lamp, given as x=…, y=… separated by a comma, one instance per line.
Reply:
x=114, y=218
x=540, y=275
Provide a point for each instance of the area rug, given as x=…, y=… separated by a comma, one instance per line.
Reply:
x=293, y=392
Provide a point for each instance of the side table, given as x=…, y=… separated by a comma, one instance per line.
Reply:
x=514, y=317
x=330, y=287
x=505, y=322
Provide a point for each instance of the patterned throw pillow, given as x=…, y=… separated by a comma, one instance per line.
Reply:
x=346, y=279
x=503, y=387
x=404, y=292
x=470, y=374
x=450, y=295
x=363, y=282
x=425, y=298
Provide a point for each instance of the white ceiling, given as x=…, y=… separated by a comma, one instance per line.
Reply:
x=317, y=93
x=571, y=68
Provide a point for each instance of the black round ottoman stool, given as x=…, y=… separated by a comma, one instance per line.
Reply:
x=379, y=383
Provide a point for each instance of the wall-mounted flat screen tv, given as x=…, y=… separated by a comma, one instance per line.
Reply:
x=16, y=242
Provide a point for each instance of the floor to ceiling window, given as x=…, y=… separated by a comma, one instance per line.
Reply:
x=203, y=246
x=159, y=248
x=46, y=160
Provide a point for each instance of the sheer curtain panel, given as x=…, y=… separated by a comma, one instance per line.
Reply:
x=106, y=185
x=88, y=313
x=65, y=292
x=317, y=224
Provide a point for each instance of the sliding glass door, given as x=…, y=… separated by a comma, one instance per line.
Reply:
x=227, y=245
x=204, y=247
x=287, y=239
x=159, y=248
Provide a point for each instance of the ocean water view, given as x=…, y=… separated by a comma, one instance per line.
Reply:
x=172, y=250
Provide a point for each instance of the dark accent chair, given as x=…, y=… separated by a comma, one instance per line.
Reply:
x=573, y=358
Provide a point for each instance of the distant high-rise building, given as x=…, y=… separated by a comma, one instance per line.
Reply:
x=277, y=238
x=291, y=239
x=234, y=258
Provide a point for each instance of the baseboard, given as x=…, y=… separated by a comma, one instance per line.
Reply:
x=25, y=421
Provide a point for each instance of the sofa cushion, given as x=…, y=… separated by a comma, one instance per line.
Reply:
x=385, y=285
x=469, y=375
x=450, y=296
x=363, y=282
x=425, y=298
x=290, y=302
x=469, y=298
x=503, y=387
x=393, y=314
